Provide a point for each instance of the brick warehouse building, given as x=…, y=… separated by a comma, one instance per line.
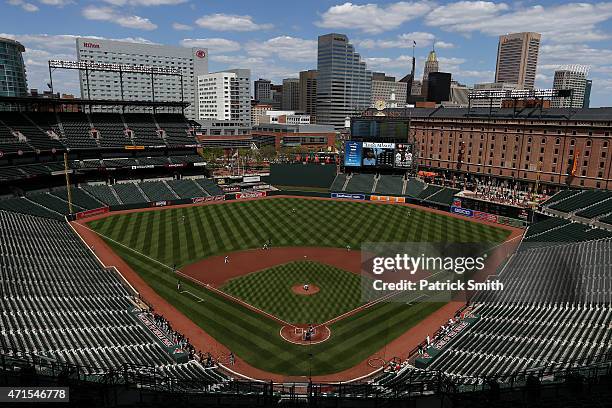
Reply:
x=520, y=144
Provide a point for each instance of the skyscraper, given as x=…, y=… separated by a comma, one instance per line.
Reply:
x=344, y=85
x=517, y=59
x=13, y=80
x=308, y=93
x=262, y=90
x=431, y=64
x=291, y=94
x=587, y=94
x=572, y=77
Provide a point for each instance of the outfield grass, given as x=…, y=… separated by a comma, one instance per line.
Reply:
x=215, y=229
x=222, y=228
x=270, y=291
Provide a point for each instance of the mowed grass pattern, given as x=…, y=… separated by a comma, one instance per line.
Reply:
x=184, y=235
x=270, y=290
x=217, y=229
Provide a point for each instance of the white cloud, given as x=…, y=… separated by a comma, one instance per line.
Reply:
x=220, y=44
x=181, y=27
x=111, y=15
x=463, y=12
x=29, y=7
x=422, y=39
x=144, y=2
x=571, y=22
x=230, y=22
x=56, y=3
x=372, y=18
x=285, y=47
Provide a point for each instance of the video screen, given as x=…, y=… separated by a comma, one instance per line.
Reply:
x=403, y=155
x=377, y=154
x=352, y=154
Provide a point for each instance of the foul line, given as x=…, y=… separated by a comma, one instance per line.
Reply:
x=200, y=300
x=204, y=285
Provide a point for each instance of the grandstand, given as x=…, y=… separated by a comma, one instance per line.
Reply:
x=65, y=307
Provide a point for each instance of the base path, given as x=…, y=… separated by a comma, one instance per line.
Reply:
x=214, y=272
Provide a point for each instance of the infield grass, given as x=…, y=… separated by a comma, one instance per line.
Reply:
x=186, y=235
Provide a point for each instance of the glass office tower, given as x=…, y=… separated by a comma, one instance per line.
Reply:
x=344, y=85
x=12, y=69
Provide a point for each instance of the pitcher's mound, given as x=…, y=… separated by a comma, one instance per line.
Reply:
x=300, y=290
x=296, y=334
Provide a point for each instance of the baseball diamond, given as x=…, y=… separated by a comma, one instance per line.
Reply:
x=246, y=313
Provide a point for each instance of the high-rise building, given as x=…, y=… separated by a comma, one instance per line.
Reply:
x=587, y=94
x=438, y=87
x=291, y=94
x=262, y=90
x=225, y=96
x=192, y=62
x=13, y=81
x=517, y=59
x=384, y=88
x=572, y=77
x=308, y=93
x=344, y=85
x=431, y=64
x=276, y=96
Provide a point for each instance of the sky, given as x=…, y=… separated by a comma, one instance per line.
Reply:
x=277, y=39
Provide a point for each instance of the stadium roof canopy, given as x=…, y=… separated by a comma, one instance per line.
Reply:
x=30, y=101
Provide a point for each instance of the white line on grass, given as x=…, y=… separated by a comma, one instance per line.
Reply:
x=191, y=278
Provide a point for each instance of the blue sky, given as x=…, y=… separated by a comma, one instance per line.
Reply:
x=277, y=39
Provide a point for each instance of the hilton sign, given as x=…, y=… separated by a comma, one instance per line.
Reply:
x=91, y=45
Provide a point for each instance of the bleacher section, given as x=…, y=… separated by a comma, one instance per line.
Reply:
x=443, y=196
x=338, y=184
x=414, y=187
x=103, y=193
x=157, y=191
x=144, y=128
x=360, y=183
x=79, y=197
x=187, y=188
x=561, y=195
x=391, y=185
x=429, y=191
x=53, y=202
x=129, y=193
x=176, y=129
x=59, y=303
x=24, y=206
x=567, y=232
x=302, y=175
x=555, y=310
x=46, y=131
x=210, y=186
x=594, y=211
x=581, y=200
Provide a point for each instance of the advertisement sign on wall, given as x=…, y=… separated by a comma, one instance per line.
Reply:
x=348, y=196
x=254, y=194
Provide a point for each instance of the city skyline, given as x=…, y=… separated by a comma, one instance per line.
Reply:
x=276, y=44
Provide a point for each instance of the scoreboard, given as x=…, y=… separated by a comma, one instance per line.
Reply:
x=379, y=155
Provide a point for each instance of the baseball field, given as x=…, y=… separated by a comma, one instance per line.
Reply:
x=244, y=301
